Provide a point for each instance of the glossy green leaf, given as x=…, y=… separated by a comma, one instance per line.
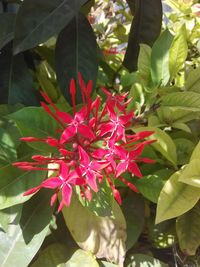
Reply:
x=133, y=210
x=187, y=227
x=9, y=216
x=8, y=151
x=145, y=29
x=176, y=198
x=7, y=28
x=45, y=19
x=76, y=54
x=35, y=122
x=24, y=239
x=188, y=101
x=141, y=260
x=196, y=152
x=103, y=236
x=160, y=59
x=16, y=82
x=82, y=258
x=178, y=52
x=191, y=174
x=164, y=144
x=53, y=255
x=150, y=186
x=14, y=182
x=193, y=81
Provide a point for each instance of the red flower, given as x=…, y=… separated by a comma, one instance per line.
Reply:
x=93, y=145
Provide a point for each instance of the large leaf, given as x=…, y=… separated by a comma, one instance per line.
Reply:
x=193, y=81
x=16, y=82
x=8, y=152
x=178, y=52
x=176, y=198
x=103, y=236
x=133, y=210
x=35, y=122
x=45, y=19
x=141, y=260
x=144, y=62
x=187, y=227
x=191, y=174
x=164, y=144
x=18, y=247
x=188, y=101
x=160, y=59
x=76, y=51
x=145, y=29
x=7, y=28
x=10, y=215
x=81, y=258
x=15, y=182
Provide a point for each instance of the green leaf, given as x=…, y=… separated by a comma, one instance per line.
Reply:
x=53, y=255
x=7, y=28
x=16, y=82
x=147, y=12
x=45, y=19
x=76, y=54
x=178, y=52
x=133, y=210
x=187, y=101
x=103, y=236
x=24, y=239
x=176, y=198
x=193, y=81
x=191, y=174
x=8, y=151
x=14, y=182
x=144, y=62
x=81, y=258
x=150, y=186
x=9, y=216
x=196, y=152
x=141, y=260
x=187, y=227
x=160, y=59
x=164, y=144
x=107, y=264
x=184, y=150
x=35, y=122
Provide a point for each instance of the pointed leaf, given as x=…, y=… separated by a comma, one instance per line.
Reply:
x=176, y=198
x=191, y=173
x=193, y=80
x=76, y=51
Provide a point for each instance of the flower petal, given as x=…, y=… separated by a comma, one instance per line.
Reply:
x=121, y=167
x=66, y=194
x=86, y=131
x=52, y=183
x=68, y=133
x=133, y=168
x=91, y=181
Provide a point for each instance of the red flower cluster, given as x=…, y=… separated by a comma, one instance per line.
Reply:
x=93, y=146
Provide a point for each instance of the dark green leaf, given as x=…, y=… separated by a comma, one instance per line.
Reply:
x=141, y=260
x=24, y=239
x=7, y=28
x=45, y=19
x=76, y=51
x=145, y=29
x=9, y=216
x=16, y=82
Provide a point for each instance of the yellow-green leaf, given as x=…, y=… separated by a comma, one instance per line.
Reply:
x=191, y=174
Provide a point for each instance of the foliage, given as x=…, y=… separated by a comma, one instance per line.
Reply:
x=126, y=47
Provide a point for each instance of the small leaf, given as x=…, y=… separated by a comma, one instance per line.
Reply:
x=178, y=52
x=45, y=19
x=187, y=227
x=103, y=236
x=146, y=12
x=193, y=81
x=20, y=246
x=76, y=54
x=7, y=28
x=164, y=144
x=160, y=59
x=187, y=101
x=176, y=198
x=82, y=258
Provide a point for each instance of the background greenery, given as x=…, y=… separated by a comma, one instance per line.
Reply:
x=135, y=46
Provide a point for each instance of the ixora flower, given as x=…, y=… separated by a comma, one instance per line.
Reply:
x=94, y=145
